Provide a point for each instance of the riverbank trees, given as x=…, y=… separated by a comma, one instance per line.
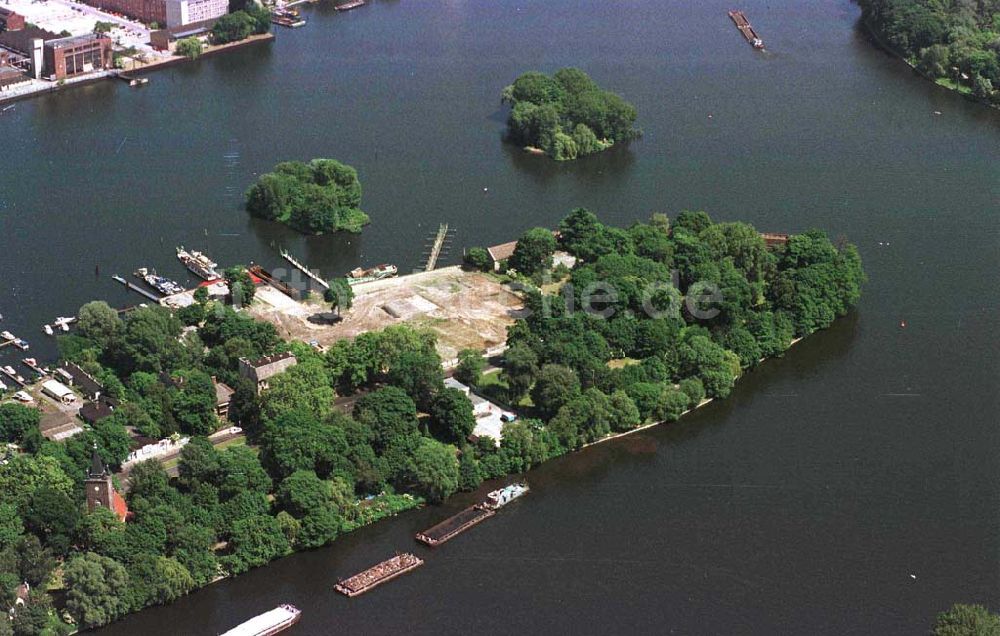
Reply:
x=321, y=196
x=657, y=317
x=955, y=43
x=567, y=115
x=651, y=320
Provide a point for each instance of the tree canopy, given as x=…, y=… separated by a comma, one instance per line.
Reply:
x=952, y=42
x=321, y=196
x=567, y=115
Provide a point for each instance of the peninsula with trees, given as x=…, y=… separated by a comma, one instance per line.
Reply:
x=318, y=197
x=566, y=115
x=336, y=437
x=956, y=44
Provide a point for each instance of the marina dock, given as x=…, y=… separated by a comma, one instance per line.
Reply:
x=302, y=268
x=455, y=525
x=378, y=574
x=13, y=375
x=436, y=246
x=136, y=288
x=740, y=20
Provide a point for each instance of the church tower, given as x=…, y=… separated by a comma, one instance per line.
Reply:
x=100, y=490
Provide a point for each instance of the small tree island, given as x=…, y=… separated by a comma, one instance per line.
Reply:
x=567, y=115
x=314, y=198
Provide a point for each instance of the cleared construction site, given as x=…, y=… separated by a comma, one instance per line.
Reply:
x=467, y=310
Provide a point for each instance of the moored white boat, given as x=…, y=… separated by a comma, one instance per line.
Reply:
x=271, y=622
x=503, y=496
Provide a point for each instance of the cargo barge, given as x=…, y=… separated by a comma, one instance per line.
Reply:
x=272, y=622
x=455, y=525
x=378, y=574
x=740, y=20
x=361, y=275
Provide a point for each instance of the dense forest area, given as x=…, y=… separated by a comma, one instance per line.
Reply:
x=567, y=115
x=956, y=42
x=311, y=469
x=321, y=196
x=649, y=349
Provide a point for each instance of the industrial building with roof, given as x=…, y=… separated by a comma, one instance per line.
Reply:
x=52, y=56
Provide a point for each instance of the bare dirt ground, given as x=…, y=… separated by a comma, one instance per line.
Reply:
x=465, y=310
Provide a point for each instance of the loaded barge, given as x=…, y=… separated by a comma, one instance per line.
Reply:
x=378, y=574
x=272, y=622
x=457, y=524
x=740, y=20
x=453, y=526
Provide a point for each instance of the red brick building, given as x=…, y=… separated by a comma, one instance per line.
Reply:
x=142, y=10
x=10, y=21
x=71, y=56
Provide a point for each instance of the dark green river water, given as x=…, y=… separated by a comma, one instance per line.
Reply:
x=849, y=488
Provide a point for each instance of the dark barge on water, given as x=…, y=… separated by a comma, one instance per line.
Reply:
x=347, y=6
x=378, y=574
x=740, y=20
x=453, y=526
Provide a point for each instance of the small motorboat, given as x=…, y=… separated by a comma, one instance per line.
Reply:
x=48, y=330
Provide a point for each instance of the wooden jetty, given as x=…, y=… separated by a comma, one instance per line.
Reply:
x=378, y=574
x=136, y=288
x=455, y=525
x=14, y=376
x=302, y=268
x=347, y=6
x=436, y=247
x=740, y=20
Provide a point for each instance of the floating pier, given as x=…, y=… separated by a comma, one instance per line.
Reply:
x=136, y=288
x=740, y=20
x=302, y=268
x=133, y=80
x=454, y=525
x=378, y=574
x=347, y=6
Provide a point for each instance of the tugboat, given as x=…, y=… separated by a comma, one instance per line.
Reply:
x=500, y=498
x=163, y=285
x=271, y=622
x=359, y=275
x=199, y=264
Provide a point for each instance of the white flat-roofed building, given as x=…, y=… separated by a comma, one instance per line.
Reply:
x=182, y=12
x=59, y=391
